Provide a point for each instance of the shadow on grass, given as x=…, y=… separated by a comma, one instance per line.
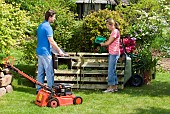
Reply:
x=153, y=110
x=24, y=84
x=30, y=70
x=87, y=91
x=25, y=89
x=155, y=89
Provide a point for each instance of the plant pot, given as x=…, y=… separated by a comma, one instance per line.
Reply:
x=147, y=76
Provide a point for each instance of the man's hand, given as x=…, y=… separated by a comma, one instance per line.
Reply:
x=66, y=55
x=61, y=54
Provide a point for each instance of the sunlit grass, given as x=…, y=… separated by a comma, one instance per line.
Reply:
x=148, y=99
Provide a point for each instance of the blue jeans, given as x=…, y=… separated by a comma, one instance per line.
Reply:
x=45, y=66
x=112, y=76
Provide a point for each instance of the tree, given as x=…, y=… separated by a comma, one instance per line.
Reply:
x=14, y=27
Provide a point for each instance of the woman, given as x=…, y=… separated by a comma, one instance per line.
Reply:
x=114, y=53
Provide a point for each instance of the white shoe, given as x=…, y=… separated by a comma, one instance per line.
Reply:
x=108, y=90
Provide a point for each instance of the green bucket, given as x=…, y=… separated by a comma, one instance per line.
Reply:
x=98, y=40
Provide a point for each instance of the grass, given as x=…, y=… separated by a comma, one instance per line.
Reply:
x=148, y=99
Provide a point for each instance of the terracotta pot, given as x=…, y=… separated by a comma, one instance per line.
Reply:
x=147, y=77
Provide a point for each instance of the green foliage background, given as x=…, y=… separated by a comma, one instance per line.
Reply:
x=35, y=10
x=94, y=25
x=146, y=20
x=15, y=26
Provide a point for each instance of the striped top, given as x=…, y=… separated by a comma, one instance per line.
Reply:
x=114, y=47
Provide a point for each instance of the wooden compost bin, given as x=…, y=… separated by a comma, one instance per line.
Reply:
x=94, y=71
x=86, y=70
x=70, y=75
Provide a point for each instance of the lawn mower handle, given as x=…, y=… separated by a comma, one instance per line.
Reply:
x=10, y=66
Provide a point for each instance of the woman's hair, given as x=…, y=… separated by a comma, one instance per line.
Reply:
x=110, y=21
x=49, y=13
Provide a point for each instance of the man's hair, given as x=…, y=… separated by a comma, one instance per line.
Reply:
x=49, y=13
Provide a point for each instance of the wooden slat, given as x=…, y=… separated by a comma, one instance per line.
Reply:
x=99, y=79
x=100, y=65
x=94, y=59
x=120, y=65
x=120, y=79
x=102, y=58
x=73, y=86
x=84, y=79
x=87, y=64
x=103, y=72
x=91, y=54
x=65, y=78
x=67, y=71
x=99, y=60
x=70, y=57
x=93, y=79
x=120, y=72
x=76, y=64
x=93, y=86
x=64, y=57
x=72, y=53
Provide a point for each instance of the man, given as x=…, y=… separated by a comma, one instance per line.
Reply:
x=45, y=43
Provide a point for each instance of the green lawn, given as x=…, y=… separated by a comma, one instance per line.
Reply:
x=148, y=99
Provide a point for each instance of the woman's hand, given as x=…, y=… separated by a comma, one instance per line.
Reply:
x=102, y=44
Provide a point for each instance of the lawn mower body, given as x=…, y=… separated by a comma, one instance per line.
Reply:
x=42, y=99
x=61, y=96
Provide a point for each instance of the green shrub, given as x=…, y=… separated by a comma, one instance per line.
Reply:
x=14, y=26
x=75, y=43
x=94, y=25
x=144, y=19
x=63, y=26
x=146, y=24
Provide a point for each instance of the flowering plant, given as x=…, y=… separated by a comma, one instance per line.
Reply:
x=146, y=28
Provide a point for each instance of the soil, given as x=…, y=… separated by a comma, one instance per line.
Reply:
x=164, y=64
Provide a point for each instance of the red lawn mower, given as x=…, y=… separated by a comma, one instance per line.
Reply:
x=58, y=95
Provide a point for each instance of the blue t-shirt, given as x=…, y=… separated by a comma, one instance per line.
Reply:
x=44, y=31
